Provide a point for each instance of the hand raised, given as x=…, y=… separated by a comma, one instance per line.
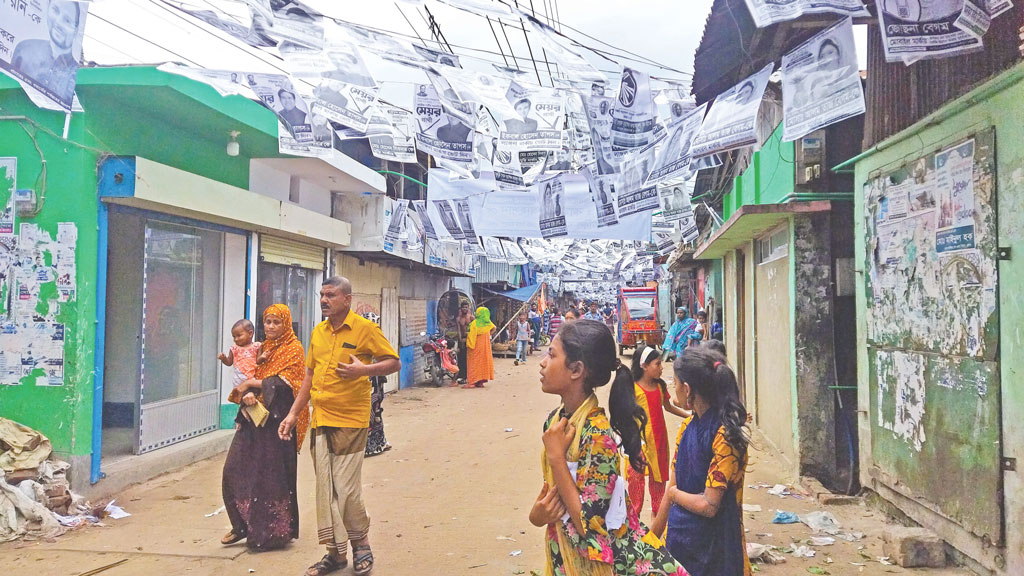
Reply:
x=557, y=439
x=354, y=369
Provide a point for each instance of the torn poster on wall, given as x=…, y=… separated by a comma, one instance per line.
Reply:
x=37, y=274
x=903, y=415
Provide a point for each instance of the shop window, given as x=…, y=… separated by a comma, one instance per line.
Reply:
x=773, y=246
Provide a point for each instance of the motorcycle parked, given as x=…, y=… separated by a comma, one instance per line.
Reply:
x=441, y=361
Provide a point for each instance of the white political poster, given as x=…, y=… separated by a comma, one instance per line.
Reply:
x=731, y=121
x=255, y=34
x=420, y=207
x=294, y=21
x=472, y=241
x=551, y=198
x=634, y=114
x=41, y=48
x=820, y=82
x=572, y=64
x=513, y=214
x=440, y=134
x=914, y=29
x=768, y=12
x=673, y=158
x=346, y=93
x=513, y=253
x=688, y=224
x=391, y=132
x=602, y=192
x=508, y=171
x=537, y=122
x=493, y=250
x=675, y=202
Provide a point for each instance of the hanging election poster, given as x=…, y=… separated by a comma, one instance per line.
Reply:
x=294, y=21
x=635, y=170
x=820, y=82
x=493, y=251
x=391, y=133
x=633, y=115
x=346, y=93
x=602, y=190
x=732, y=120
x=688, y=224
x=551, y=195
x=480, y=89
x=437, y=56
x=507, y=213
x=513, y=253
x=384, y=45
x=675, y=202
x=674, y=156
x=394, y=229
x=583, y=222
x=444, y=213
x=255, y=34
x=537, y=122
x=768, y=12
x=41, y=48
x=420, y=206
x=472, y=242
x=571, y=63
x=916, y=30
x=438, y=133
x=508, y=172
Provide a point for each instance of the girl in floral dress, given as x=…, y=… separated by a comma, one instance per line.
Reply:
x=590, y=528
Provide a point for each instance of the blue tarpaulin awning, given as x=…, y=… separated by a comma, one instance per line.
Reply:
x=522, y=294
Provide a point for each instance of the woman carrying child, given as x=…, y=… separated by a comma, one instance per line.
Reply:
x=259, y=474
x=591, y=529
x=652, y=396
x=705, y=519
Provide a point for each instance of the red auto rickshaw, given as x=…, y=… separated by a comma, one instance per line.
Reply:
x=638, y=318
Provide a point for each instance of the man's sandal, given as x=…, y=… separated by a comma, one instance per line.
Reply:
x=326, y=565
x=362, y=558
x=232, y=537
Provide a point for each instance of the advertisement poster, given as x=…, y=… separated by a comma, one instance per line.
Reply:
x=954, y=168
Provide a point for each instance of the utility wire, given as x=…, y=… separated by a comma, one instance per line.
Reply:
x=168, y=50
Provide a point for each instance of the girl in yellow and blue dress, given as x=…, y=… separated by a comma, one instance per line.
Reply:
x=590, y=528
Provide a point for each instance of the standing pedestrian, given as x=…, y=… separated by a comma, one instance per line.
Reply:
x=705, y=493
x=464, y=319
x=682, y=332
x=602, y=534
x=652, y=396
x=345, y=351
x=481, y=359
x=376, y=441
x=609, y=318
x=522, y=337
x=258, y=484
x=555, y=323
x=593, y=313
x=535, y=321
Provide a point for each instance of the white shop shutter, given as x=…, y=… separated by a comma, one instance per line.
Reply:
x=291, y=253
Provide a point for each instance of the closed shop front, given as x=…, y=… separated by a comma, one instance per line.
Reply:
x=290, y=272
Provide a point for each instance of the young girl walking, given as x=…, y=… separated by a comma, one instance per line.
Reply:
x=591, y=529
x=652, y=396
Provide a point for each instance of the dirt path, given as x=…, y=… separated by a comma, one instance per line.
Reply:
x=451, y=498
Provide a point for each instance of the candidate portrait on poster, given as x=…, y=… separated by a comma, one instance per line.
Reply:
x=523, y=124
x=41, y=45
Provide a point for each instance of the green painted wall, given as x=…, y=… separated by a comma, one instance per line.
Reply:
x=769, y=179
x=63, y=413
x=131, y=111
x=995, y=104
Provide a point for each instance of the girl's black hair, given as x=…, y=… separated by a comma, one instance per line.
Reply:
x=590, y=342
x=637, y=368
x=708, y=375
x=715, y=346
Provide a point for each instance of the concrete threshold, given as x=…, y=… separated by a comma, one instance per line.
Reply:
x=130, y=470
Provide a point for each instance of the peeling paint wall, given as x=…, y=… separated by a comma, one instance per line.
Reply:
x=814, y=352
x=944, y=471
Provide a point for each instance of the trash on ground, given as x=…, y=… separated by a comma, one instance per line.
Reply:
x=884, y=561
x=764, y=553
x=751, y=507
x=782, y=517
x=780, y=490
x=822, y=541
x=215, y=512
x=821, y=522
x=804, y=552
x=509, y=538
x=508, y=429
x=515, y=553
x=115, y=512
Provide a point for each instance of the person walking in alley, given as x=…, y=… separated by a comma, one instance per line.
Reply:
x=705, y=493
x=593, y=313
x=652, y=396
x=345, y=351
x=522, y=337
x=258, y=483
x=481, y=359
x=590, y=527
x=536, y=321
x=682, y=332
x=555, y=324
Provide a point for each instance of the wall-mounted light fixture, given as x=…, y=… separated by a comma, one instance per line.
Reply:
x=232, y=148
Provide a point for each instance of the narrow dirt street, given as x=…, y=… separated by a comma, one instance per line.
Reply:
x=451, y=498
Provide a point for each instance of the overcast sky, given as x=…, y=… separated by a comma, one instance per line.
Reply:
x=665, y=31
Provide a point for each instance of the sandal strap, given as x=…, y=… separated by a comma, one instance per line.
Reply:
x=326, y=565
x=362, y=556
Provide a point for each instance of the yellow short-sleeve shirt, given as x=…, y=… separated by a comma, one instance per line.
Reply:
x=338, y=402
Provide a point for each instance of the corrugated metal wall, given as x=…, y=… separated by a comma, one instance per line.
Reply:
x=898, y=95
x=493, y=272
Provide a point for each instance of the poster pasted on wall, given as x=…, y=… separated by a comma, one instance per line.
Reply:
x=37, y=275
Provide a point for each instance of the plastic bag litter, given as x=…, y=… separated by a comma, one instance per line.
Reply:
x=751, y=507
x=780, y=490
x=822, y=541
x=804, y=552
x=764, y=553
x=782, y=517
x=821, y=522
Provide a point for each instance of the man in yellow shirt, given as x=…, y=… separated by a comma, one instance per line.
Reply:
x=345, y=350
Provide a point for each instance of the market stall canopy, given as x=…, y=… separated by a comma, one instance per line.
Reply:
x=523, y=294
